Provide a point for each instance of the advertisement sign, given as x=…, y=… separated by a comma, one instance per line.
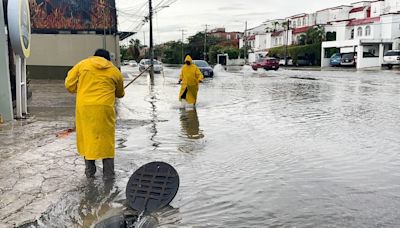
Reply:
x=19, y=26
x=73, y=15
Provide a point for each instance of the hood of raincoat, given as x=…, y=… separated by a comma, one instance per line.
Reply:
x=188, y=58
x=100, y=62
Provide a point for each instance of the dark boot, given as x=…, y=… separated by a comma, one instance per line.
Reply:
x=108, y=168
x=90, y=169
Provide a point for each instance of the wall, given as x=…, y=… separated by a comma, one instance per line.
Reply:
x=263, y=42
x=368, y=62
x=392, y=6
x=390, y=26
x=322, y=17
x=6, y=111
x=52, y=55
x=358, y=15
x=377, y=8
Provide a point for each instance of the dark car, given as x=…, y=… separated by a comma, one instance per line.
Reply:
x=302, y=61
x=349, y=59
x=266, y=63
x=204, y=67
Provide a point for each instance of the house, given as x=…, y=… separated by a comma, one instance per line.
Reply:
x=230, y=38
x=300, y=24
x=372, y=29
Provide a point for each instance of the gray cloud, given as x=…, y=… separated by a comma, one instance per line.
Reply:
x=192, y=15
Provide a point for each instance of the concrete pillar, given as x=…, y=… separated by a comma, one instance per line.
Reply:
x=323, y=57
x=360, y=50
x=6, y=110
x=381, y=53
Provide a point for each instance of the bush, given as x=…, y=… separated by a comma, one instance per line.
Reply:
x=312, y=51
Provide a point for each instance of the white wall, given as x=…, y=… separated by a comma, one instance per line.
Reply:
x=339, y=14
x=377, y=8
x=263, y=41
x=322, y=17
x=358, y=15
x=392, y=6
x=368, y=62
x=68, y=49
x=390, y=26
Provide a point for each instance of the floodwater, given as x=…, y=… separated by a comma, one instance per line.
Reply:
x=262, y=149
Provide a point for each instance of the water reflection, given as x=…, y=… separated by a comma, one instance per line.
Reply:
x=92, y=206
x=190, y=125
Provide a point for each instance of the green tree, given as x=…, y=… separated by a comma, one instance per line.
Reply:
x=195, y=46
x=315, y=35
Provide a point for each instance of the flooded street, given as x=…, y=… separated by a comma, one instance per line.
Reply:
x=262, y=149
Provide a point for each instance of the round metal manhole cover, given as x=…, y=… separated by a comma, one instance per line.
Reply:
x=152, y=187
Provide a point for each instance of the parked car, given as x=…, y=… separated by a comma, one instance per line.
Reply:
x=336, y=59
x=349, y=59
x=204, y=67
x=302, y=61
x=132, y=63
x=289, y=63
x=267, y=63
x=145, y=63
x=391, y=58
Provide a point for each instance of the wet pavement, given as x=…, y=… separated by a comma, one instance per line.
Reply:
x=262, y=149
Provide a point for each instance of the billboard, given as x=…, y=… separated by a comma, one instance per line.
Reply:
x=73, y=15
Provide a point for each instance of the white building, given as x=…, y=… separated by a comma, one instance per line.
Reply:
x=372, y=28
x=300, y=24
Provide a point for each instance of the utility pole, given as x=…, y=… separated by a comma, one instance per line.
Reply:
x=287, y=42
x=183, y=57
x=245, y=43
x=205, y=43
x=144, y=38
x=151, y=43
x=104, y=30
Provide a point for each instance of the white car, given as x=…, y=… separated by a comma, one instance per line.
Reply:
x=391, y=58
x=289, y=61
x=145, y=63
x=132, y=63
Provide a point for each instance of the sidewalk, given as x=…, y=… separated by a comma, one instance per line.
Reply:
x=36, y=166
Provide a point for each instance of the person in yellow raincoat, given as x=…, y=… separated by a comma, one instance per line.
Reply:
x=190, y=78
x=97, y=83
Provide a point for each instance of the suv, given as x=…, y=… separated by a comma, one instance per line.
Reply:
x=349, y=59
x=391, y=58
x=267, y=63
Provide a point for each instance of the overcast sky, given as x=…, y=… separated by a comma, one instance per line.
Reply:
x=193, y=15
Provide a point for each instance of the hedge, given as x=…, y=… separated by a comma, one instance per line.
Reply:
x=312, y=51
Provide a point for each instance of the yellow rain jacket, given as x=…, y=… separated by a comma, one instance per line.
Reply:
x=190, y=77
x=97, y=82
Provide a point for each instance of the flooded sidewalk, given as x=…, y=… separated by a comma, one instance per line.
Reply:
x=36, y=166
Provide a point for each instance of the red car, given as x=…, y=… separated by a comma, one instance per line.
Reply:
x=266, y=63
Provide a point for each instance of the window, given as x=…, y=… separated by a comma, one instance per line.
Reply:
x=352, y=34
x=294, y=24
x=304, y=22
x=299, y=22
x=368, y=30
x=276, y=41
x=228, y=37
x=359, y=32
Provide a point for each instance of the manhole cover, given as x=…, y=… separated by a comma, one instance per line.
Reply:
x=152, y=187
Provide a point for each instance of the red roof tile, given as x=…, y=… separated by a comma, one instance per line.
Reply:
x=277, y=33
x=364, y=21
x=253, y=37
x=301, y=30
x=357, y=9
